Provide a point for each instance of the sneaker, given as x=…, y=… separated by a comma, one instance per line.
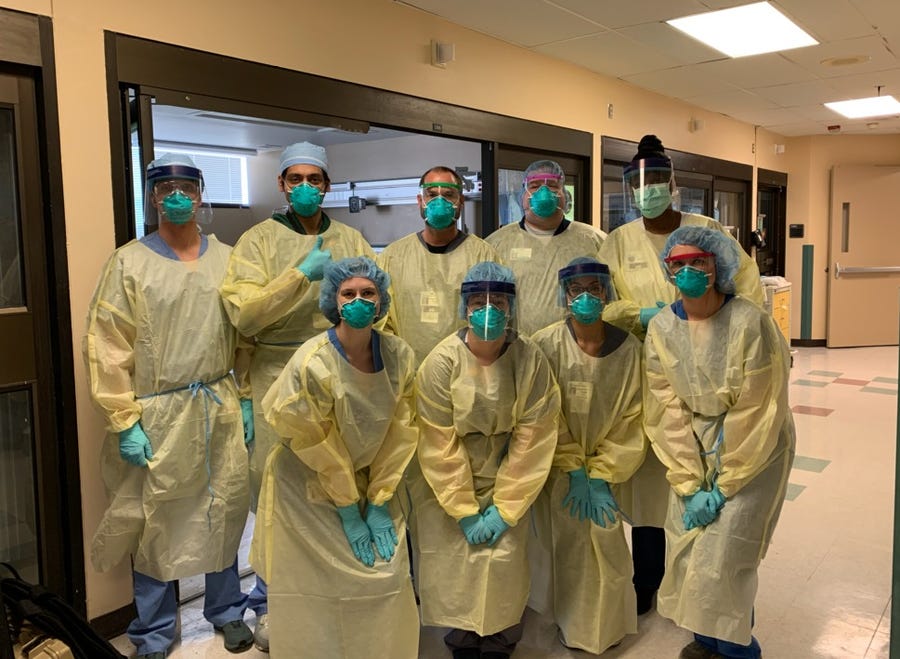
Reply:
x=696, y=650
x=261, y=633
x=238, y=637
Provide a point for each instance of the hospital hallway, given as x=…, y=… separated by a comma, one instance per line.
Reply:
x=824, y=587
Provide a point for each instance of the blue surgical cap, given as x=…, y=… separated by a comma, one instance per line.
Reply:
x=304, y=153
x=337, y=272
x=173, y=165
x=585, y=266
x=480, y=278
x=713, y=241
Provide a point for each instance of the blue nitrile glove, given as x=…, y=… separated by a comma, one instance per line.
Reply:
x=701, y=509
x=134, y=446
x=648, y=312
x=314, y=263
x=357, y=532
x=603, y=503
x=247, y=416
x=578, y=500
x=380, y=524
x=494, y=524
x=474, y=529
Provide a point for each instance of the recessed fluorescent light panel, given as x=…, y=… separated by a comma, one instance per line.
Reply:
x=747, y=30
x=876, y=106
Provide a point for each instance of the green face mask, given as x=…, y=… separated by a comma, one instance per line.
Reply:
x=488, y=322
x=440, y=213
x=691, y=281
x=305, y=199
x=359, y=313
x=544, y=202
x=586, y=308
x=178, y=208
x=652, y=200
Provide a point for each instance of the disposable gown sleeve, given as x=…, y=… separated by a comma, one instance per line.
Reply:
x=625, y=315
x=399, y=445
x=569, y=454
x=255, y=299
x=619, y=454
x=526, y=465
x=667, y=422
x=442, y=456
x=300, y=407
x=108, y=347
x=243, y=355
x=753, y=422
x=747, y=283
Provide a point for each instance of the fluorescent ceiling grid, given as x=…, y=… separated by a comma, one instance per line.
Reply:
x=876, y=106
x=747, y=30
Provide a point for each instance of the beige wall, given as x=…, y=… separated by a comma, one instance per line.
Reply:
x=342, y=43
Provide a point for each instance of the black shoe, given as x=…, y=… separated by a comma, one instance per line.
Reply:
x=644, y=600
x=494, y=655
x=467, y=653
x=238, y=637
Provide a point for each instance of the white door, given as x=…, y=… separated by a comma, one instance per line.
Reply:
x=864, y=256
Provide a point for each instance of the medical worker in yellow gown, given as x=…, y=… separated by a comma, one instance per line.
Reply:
x=488, y=410
x=601, y=445
x=717, y=413
x=544, y=241
x=271, y=292
x=159, y=351
x=632, y=253
x=330, y=537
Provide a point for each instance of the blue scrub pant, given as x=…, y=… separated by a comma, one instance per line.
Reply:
x=157, y=609
x=729, y=649
x=258, y=599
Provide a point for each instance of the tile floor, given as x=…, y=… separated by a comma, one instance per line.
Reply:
x=824, y=588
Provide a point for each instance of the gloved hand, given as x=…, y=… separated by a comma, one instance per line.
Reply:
x=314, y=263
x=357, y=532
x=381, y=526
x=701, y=508
x=247, y=416
x=494, y=524
x=648, y=312
x=134, y=446
x=603, y=503
x=474, y=529
x=578, y=500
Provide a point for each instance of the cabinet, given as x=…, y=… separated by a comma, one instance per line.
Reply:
x=778, y=303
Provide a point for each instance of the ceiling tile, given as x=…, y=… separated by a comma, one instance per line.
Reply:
x=731, y=102
x=675, y=44
x=827, y=20
x=873, y=47
x=609, y=53
x=755, y=71
x=614, y=14
x=798, y=93
x=681, y=82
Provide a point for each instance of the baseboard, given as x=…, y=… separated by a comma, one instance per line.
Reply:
x=114, y=623
x=808, y=343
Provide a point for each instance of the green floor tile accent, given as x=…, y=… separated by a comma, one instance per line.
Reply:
x=827, y=374
x=885, y=380
x=879, y=390
x=793, y=491
x=805, y=463
x=811, y=383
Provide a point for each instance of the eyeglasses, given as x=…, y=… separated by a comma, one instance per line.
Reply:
x=185, y=186
x=535, y=182
x=595, y=289
x=449, y=191
x=294, y=179
x=701, y=260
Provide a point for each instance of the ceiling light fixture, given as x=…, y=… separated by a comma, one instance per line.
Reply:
x=747, y=30
x=860, y=108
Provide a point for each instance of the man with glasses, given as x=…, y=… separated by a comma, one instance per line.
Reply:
x=541, y=243
x=427, y=267
x=271, y=293
x=159, y=352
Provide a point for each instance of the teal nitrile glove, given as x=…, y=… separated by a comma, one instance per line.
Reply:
x=603, y=503
x=578, y=500
x=494, y=524
x=247, y=416
x=134, y=446
x=474, y=529
x=314, y=263
x=648, y=312
x=700, y=509
x=358, y=534
x=381, y=526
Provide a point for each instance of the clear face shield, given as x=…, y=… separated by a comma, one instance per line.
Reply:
x=175, y=193
x=650, y=185
x=441, y=203
x=489, y=307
